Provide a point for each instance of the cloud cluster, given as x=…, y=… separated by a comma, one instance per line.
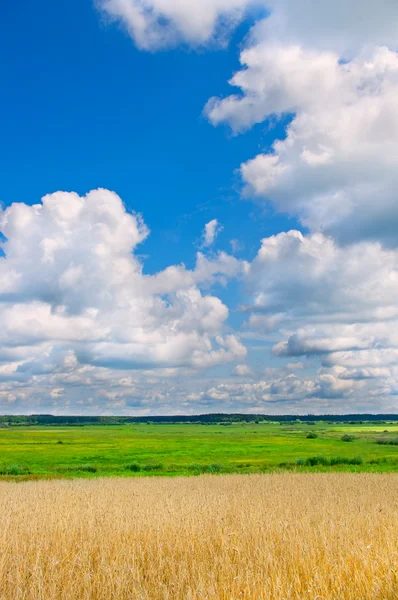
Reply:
x=84, y=328
x=70, y=281
x=336, y=304
x=155, y=24
x=344, y=27
x=336, y=170
x=286, y=393
x=330, y=71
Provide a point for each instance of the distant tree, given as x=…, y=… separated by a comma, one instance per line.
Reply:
x=347, y=438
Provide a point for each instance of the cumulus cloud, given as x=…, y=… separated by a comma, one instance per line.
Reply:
x=327, y=301
x=286, y=393
x=296, y=277
x=210, y=233
x=336, y=168
x=71, y=281
x=330, y=72
x=345, y=27
x=155, y=24
x=82, y=325
x=242, y=371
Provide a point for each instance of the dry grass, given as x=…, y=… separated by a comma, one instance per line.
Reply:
x=254, y=537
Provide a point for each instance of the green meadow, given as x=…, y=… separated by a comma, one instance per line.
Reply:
x=191, y=449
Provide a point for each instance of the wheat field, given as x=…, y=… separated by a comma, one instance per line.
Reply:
x=253, y=537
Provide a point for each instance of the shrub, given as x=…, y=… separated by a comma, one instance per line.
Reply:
x=339, y=460
x=313, y=461
x=60, y=442
x=14, y=470
x=87, y=468
x=390, y=442
x=347, y=438
x=214, y=468
x=345, y=460
x=357, y=460
x=135, y=467
x=312, y=435
x=195, y=467
x=153, y=467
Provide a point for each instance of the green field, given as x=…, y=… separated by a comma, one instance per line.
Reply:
x=190, y=449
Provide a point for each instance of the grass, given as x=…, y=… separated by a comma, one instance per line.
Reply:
x=190, y=449
x=387, y=442
x=257, y=537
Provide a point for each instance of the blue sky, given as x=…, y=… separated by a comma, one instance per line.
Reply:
x=112, y=96
x=83, y=108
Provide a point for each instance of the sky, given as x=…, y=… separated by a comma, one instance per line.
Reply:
x=198, y=206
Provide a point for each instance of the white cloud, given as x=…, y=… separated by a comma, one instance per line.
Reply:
x=336, y=170
x=287, y=393
x=71, y=281
x=155, y=24
x=81, y=325
x=341, y=26
x=296, y=276
x=345, y=27
x=210, y=233
x=242, y=371
x=330, y=70
x=331, y=302
x=236, y=246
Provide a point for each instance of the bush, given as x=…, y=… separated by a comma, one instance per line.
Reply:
x=60, y=442
x=135, y=467
x=312, y=435
x=216, y=468
x=313, y=461
x=345, y=460
x=338, y=460
x=378, y=461
x=14, y=470
x=153, y=467
x=195, y=467
x=347, y=438
x=87, y=468
x=390, y=442
x=212, y=469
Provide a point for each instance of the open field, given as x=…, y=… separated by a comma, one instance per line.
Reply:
x=190, y=449
x=147, y=449
x=255, y=537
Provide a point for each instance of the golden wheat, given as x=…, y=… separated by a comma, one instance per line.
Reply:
x=271, y=537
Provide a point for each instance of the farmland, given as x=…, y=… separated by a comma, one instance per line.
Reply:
x=148, y=449
x=143, y=511
x=257, y=537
